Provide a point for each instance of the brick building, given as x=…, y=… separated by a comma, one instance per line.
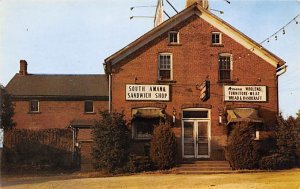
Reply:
x=59, y=101
x=194, y=70
x=199, y=73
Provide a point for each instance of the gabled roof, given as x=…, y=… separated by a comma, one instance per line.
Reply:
x=58, y=86
x=212, y=19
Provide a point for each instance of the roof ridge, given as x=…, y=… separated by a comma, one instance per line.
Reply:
x=207, y=16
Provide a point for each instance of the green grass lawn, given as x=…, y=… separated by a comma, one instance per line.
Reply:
x=289, y=179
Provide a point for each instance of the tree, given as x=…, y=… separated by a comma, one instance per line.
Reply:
x=111, y=143
x=286, y=153
x=7, y=110
x=286, y=134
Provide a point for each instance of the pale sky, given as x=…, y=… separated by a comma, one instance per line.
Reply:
x=75, y=36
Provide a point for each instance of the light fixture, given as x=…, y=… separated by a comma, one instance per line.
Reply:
x=221, y=12
x=276, y=37
x=268, y=40
x=131, y=17
x=220, y=117
x=174, y=115
x=131, y=8
x=283, y=31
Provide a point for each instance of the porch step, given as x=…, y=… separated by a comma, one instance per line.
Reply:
x=195, y=167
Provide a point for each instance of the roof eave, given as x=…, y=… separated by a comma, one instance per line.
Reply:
x=144, y=39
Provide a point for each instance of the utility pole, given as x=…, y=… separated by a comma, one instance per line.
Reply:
x=1, y=129
x=1, y=101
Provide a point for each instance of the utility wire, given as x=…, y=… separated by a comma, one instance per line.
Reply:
x=282, y=29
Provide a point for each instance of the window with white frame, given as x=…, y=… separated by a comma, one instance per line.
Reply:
x=225, y=67
x=216, y=38
x=165, y=66
x=174, y=37
x=34, y=106
x=88, y=106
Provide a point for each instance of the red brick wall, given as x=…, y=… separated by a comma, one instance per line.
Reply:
x=54, y=114
x=194, y=61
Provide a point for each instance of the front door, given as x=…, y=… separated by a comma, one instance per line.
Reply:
x=196, y=140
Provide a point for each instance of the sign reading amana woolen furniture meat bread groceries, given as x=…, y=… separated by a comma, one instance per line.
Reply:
x=245, y=93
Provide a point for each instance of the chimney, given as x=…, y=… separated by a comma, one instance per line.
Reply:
x=202, y=3
x=23, y=67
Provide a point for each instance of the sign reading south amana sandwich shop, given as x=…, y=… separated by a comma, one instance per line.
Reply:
x=245, y=93
x=148, y=92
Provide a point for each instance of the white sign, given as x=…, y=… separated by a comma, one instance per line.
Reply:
x=1, y=138
x=245, y=93
x=148, y=92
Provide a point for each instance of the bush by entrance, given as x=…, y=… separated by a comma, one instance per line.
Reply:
x=163, y=147
x=242, y=151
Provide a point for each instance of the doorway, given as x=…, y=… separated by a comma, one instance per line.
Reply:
x=196, y=133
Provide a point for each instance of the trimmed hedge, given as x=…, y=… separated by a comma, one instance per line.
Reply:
x=163, y=146
x=242, y=151
x=111, y=143
x=46, y=149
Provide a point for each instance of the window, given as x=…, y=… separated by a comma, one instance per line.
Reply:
x=88, y=107
x=143, y=127
x=173, y=37
x=165, y=67
x=216, y=38
x=34, y=106
x=225, y=67
x=195, y=114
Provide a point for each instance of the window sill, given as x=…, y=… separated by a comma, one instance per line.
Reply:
x=226, y=82
x=217, y=45
x=166, y=81
x=89, y=112
x=174, y=44
x=34, y=112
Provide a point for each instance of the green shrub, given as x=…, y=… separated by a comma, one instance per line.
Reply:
x=111, y=143
x=242, y=151
x=163, y=147
x=275, y=162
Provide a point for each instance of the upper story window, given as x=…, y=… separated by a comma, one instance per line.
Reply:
x=225, y=67
x=34, y=106
x=216, y=38
x=165, y=66
x=89, y=106
x=174, y=37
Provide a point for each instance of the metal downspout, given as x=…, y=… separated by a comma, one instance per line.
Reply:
x=279, y=73
x=110, y=92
